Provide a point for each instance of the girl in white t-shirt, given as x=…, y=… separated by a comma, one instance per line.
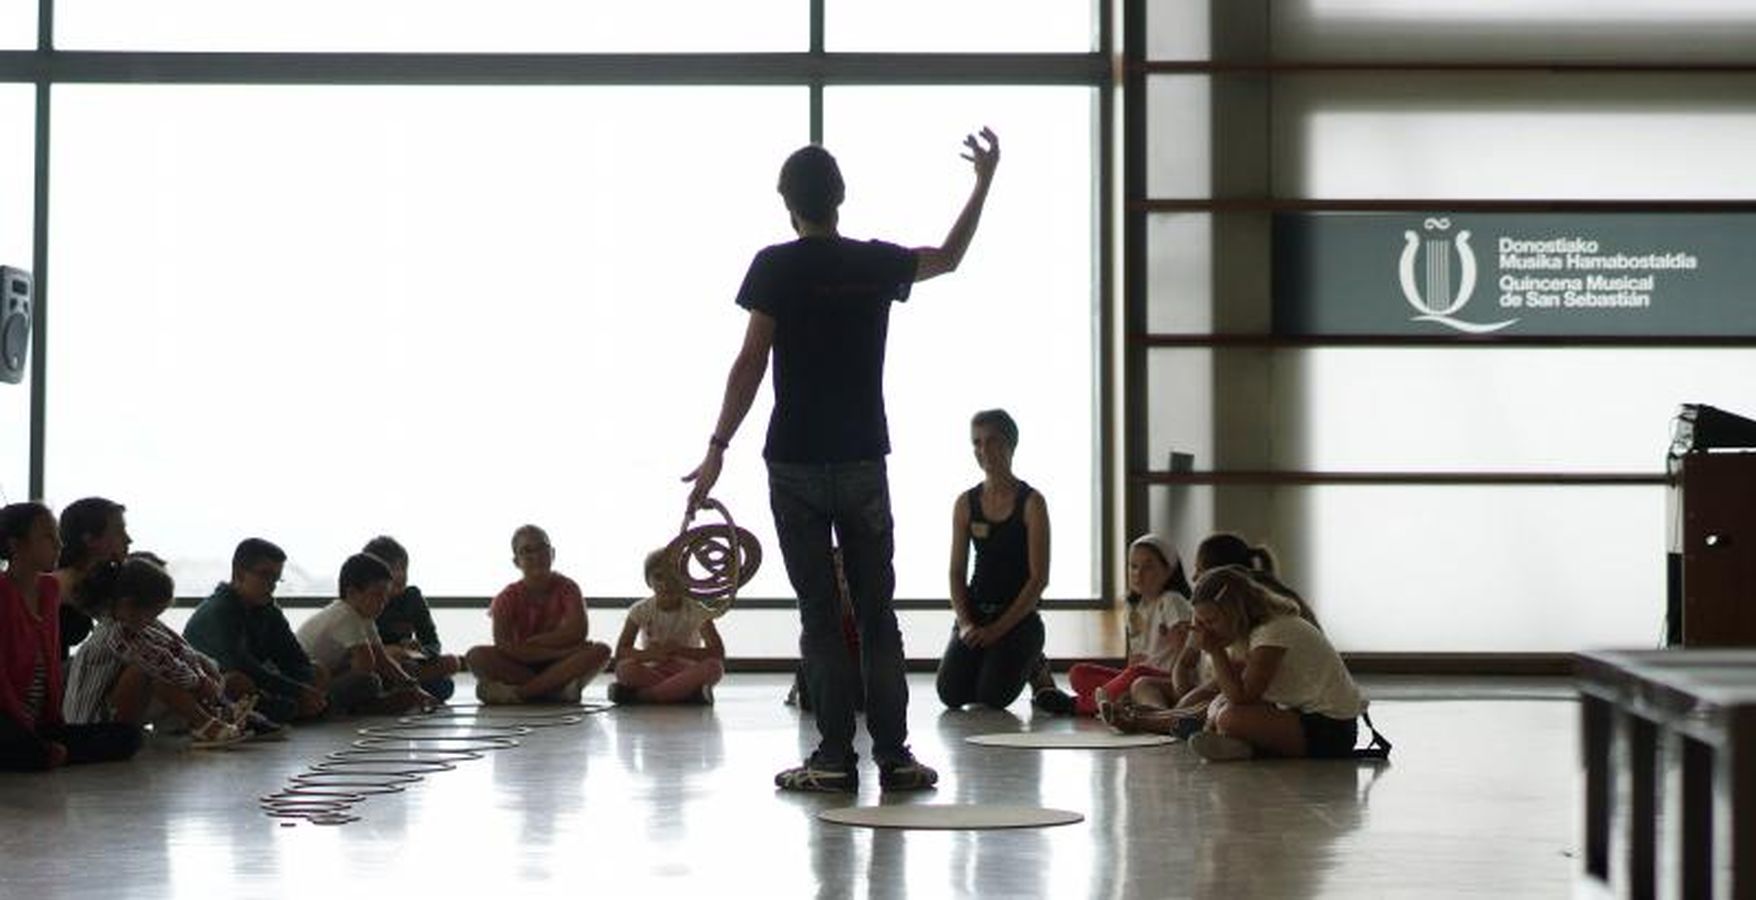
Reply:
x=680, y=657
x=1156, y=627
x=1288, y=694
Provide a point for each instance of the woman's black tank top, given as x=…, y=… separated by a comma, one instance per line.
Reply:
x=1002, y=555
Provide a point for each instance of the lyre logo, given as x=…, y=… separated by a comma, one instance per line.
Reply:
x=1439, y=303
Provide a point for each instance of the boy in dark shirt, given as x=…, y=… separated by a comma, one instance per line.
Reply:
x=242, y=628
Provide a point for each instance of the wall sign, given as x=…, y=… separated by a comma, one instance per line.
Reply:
x=1643, y=274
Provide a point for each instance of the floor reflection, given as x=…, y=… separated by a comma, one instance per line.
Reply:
x=667, y=801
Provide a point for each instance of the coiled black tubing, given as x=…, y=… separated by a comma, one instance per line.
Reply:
x=388, y=758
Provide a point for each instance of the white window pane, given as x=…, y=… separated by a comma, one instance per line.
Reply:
x=529, y=26
x=1662, y=30
x=1179, y=30
x=17, y=202
x=1361, y=409
x=318, y=314
x=1179, y=130
x=961, y=26
x=1515, y=136
x=1503, y=410
x=18, y=25
x=1179, y=271
x=1014, y=327
x=1453, y=569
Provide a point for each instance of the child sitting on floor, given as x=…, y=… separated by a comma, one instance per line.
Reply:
x=681, y=656
x=1290, y=695
x=1177, y=704
x=540, y=650
x=33, y=736
x=343, y=638
x=1157, y=604
x=246, y=633
x=406, y=625
x=134, y=669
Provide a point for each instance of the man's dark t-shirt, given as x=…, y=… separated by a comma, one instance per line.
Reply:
x=830, y=300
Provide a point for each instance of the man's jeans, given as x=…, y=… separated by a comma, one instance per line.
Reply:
x=811, y=500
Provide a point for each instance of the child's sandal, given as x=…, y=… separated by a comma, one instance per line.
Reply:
x=214, y=734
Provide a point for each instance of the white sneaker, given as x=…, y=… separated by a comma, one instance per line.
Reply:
x=496, y=693
x=1215, y=747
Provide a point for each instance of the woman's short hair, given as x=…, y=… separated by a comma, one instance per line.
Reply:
x=999, y=420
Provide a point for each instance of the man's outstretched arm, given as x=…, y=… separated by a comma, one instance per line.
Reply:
x=932, y=261
x=742, y=383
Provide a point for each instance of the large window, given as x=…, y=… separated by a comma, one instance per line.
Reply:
x=319, y=313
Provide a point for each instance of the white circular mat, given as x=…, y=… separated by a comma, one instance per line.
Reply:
x=949, y=817
x=1062, y=740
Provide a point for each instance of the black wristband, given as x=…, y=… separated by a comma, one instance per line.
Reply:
x=717, y=441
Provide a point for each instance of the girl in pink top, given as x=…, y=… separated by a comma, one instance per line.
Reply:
x=33, y=735
x=540, y=651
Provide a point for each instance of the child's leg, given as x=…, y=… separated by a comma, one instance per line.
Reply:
x=488, y=662
x=1153, y=692
x=958, y=668
x=103, y=742
x=20, y=750
x=1086, y=678
x=182, y=703
x=583, y=663
x=130, y=695
x=1266, y=727
x=1199, y=698
x=237, y=685
x=1117, y=688
x=392, y=703
x=352, y=691
x=636, y=675
x=687, y=681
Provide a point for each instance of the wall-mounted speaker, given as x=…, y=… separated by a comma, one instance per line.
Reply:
x=15, y=301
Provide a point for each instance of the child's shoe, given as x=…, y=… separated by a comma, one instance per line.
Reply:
x=214, y=735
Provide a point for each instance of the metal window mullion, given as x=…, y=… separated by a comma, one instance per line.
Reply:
x=40, y=247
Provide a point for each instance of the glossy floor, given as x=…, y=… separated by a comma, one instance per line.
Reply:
x=1481, y=799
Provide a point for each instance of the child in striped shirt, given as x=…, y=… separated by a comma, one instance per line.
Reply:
x=135, y=669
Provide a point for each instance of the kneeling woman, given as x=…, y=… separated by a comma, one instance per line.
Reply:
x=1290, y=695
x=997, y=643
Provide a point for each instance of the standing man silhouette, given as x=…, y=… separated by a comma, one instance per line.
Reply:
x=820, y=305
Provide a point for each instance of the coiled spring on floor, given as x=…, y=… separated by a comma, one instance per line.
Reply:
x=713, y=561
x=385, y=759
